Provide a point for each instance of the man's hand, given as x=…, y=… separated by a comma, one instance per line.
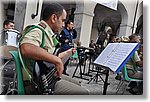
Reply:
x=66, y=53
x=37, y=53
x=73, y=50
x=66, y=41
x=60, y=67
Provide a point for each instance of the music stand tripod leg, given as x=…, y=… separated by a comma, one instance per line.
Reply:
x=89, y=66
x=91, y=79
x=106, y=82
x=80, y=71
x=95, y=77
x=75, y=71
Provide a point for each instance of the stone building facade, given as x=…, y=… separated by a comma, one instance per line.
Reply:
x=89, y=17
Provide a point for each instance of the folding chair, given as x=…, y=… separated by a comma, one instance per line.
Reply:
x=8, y=73
x=5, y=55
x=74, y=57
x=125, y=78
x=20, y=84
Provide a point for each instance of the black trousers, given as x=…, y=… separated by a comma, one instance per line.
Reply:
x=65, y=66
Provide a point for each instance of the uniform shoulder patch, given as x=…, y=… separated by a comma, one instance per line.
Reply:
x=42, y=25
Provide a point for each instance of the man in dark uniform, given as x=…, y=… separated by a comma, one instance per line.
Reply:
x=66, y=37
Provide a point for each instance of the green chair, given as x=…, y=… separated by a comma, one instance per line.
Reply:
x=6, y=58
x=74, y=57
x=4, y=54
x=135, y=67
x=20, y=84
x=125, y=78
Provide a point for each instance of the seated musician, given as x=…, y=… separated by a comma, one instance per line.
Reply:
x=53, y=19
x=135, y=61
x=135, y=69
x=7, y=24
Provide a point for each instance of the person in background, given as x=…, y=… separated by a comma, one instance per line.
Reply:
x=8, y=24
x=140, y=52
x=91, y=53
x=66, y=37
x=78, y=43
x=135, y=59
x=112, y=39
x=135, y=69
x=118, y=39
x=6, y=72
x=92, y=44
x=106, y=41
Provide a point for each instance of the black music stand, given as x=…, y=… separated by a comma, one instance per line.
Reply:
x=82, y=58
x=97, y=75
x=114, y=57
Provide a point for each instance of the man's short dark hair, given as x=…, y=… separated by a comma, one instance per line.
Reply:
x=131, y=37
x=68, y=22
x=6, y=22
x=53, y=8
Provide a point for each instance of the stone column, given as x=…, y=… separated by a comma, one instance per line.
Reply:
x=19, y=16
x=125, y=30
x=1, y=27
x=127, y=11
x=1, y=15
x=31, y=8
x=23, y=11
x=83, y=21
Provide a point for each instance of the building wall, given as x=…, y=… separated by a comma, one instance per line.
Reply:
x=139, y=13
x=1, y=15
x=86, y=30
x=83, y=21
x=1, y=20
x=94, y=34
x=83, y=17
x=20, y=11
x=130, y=6
x=31, y=9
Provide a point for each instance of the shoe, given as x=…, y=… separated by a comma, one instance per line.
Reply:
x=66, y=74
x=132, y=91
x=135, y=91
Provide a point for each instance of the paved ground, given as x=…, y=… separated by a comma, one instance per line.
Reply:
x=97, y=88
x=93, y=87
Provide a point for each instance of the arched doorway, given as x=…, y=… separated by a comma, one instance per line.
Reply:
x=70, y=8
x=139, y=24
x=124, y=19
x=139, y=29
x=104, y=17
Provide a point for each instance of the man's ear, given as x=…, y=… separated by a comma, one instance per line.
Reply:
x=5, y=26
x=54, y=18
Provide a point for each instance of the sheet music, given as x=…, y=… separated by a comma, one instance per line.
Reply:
x=12, y=38
x=115, y=54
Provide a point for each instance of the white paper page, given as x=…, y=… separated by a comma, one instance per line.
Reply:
x=104, y=56
x=115, y=54
x=12, y=39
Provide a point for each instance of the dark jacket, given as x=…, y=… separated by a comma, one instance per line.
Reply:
x=66, y=34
